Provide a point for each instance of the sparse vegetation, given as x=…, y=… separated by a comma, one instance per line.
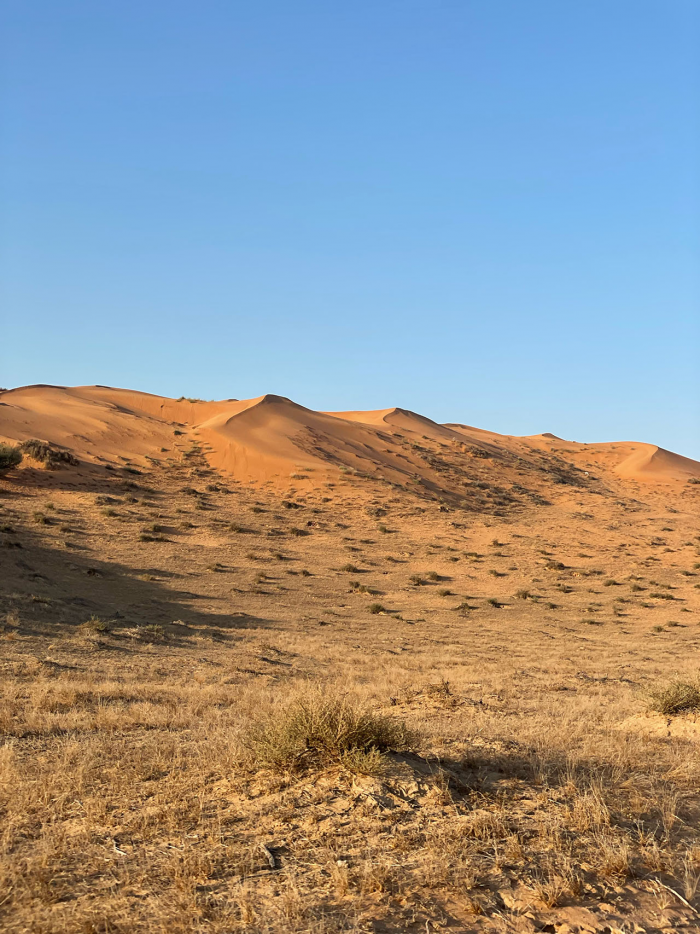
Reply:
x=540, y=780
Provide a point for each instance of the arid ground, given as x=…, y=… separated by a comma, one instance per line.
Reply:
x=184, y=583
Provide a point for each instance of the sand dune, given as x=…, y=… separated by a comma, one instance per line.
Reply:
x=272, y=439
x=651, y=462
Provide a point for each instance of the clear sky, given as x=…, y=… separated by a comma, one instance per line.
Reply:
x=487, y=211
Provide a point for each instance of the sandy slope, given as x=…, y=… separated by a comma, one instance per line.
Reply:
x=656, y=463
x=510, y=599
x=271, y=438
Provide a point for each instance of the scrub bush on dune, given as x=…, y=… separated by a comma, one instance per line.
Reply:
x=47, y=454
x=9, y=457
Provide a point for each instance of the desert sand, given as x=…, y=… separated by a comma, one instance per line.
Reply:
x=516, y=604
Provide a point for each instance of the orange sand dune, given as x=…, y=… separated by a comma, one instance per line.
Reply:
x=652, y=462
x=402, y=419
x=273, y=436
x=91, y=422
x=273, y=439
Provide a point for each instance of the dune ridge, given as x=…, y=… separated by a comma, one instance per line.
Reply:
x=270, y=439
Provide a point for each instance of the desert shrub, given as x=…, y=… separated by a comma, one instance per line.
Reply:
x=49, y=455
x=376, y=608
x=151, y=632
x=94, y=624
x=320, y=729
x=9, y=457
x=675, y=697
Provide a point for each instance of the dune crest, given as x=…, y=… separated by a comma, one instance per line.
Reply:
x=652, y=462
x=273, y=439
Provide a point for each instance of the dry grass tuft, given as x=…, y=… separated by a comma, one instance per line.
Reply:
x=675, y=697
x=318, y=730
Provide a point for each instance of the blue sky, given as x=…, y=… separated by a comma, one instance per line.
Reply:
x=487, y=210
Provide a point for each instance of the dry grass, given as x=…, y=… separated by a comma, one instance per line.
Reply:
x=675, y=697
x=316, y=729
x=266, y=751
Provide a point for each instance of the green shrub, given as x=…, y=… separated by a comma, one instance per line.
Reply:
x=9, y=457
